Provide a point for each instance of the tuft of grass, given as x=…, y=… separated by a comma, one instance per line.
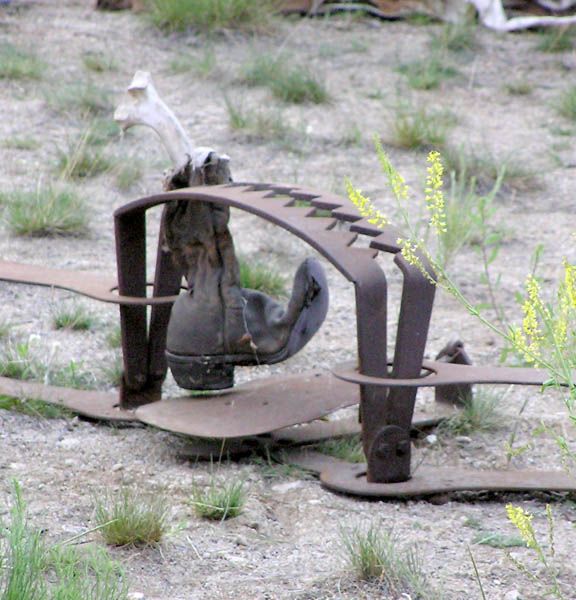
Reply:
x=70, y=375
x=5, y=328
x=555, y=39
x=486, y=169
x=566, y=104
x=79, y=161
x=211, y=15
x=74, y=317
x=20, y=143
x=127, y=174
x=290, y=83
x=101, y=131
x=374, y=553
x=421, y=128
x=459, y=37
x=258, y=276
x=18, y=362
x=34, y=408
x=264, y=126
x=130, y=517
x=479, y=413
x=99, y=62
x=82, y=98
x=498, y=540
x=201, y=66
x=220, y=500
x=31, y=570
x=519, y=88
x=427, y=74
x=113, y=372
x=18, y=64
x=348, y=448
x=46, y=212
x=114, y=337
x=467, y=215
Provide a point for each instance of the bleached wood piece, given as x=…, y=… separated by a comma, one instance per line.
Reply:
x=142, y=105
x=492, y=15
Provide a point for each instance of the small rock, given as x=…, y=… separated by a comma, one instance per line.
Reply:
x=463, y=440
x=241, y=541
x=512, y=595
x=135, y=596
x=117, y=467
x=431, y=439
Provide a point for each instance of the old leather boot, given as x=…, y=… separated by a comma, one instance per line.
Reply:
x=216, y=324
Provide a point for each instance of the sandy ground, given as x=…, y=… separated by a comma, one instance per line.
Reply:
x=287, y=542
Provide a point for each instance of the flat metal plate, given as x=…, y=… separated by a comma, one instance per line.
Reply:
x=351, y=479
x=253, y=408
x=96, y=405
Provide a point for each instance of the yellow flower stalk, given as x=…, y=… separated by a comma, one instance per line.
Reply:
x=395, y=180
x=523, y=523
x=365, y=206
x=434, y=195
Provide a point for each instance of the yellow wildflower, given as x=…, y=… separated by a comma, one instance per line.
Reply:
x=365, y=206
x=523, y=523
x=395, y=180
x=433, y=193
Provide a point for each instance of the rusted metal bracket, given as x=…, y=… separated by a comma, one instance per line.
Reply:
x=386, y=390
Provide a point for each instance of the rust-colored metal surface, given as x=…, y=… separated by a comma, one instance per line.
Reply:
x=253, y=408
x=384, y=387
x=96, y=405
x=436, y=373
x=87, y=284
x=351, y=479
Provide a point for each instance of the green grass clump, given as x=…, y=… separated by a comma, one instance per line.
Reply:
x=127, y=174
x=258, y=276
x=98, y=62
x=130, y=517
x=375, y=554
x=479, y=413
x=114, y=337
x=74, y=317
x=421, y=128
x=211, y=15
x=519, y=88
x=113, y=373
x=46, y=212
x=84, y=99
x=20, y=143
x=101, y=131
x=17, y=64
x=459, y=37
x=31, y=570
x=202, y=66
x=18, y=362
x=5, y=328
x=567, y=104
x=498, y=540
x=220, y=500
x=488, y=169
x=287, y=82
x=80, y=161
x=265, y=126
x=34, y=408
x=427, y=74
x=556, y=39
x=348, y=448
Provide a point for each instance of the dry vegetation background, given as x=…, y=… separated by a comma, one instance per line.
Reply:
x=485, y=102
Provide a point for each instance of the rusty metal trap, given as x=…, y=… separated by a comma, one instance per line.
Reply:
x=284, y=408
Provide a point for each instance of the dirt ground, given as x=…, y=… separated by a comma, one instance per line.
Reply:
x=286, y=545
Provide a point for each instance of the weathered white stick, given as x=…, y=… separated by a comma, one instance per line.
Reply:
x=143, y=106
x=492, y=15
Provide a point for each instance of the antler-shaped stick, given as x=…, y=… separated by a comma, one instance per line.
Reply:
x=143, y=106
x=492, y=15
